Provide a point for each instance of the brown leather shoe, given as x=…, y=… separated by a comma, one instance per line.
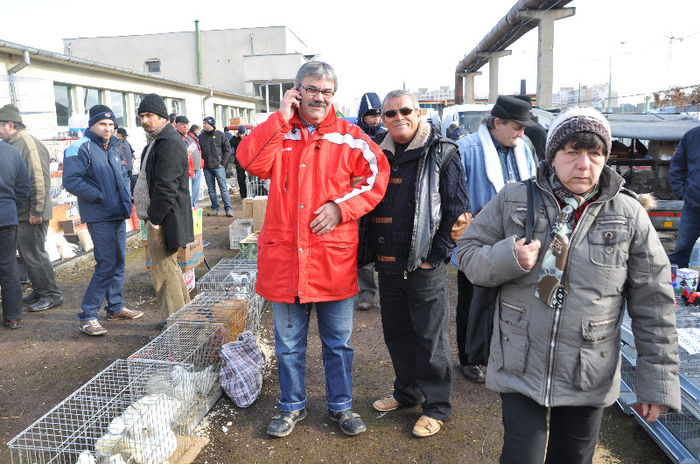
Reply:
x=426, y=426
x=386, y=404
x=12, y=324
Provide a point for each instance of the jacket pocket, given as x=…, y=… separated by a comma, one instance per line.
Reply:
x=608, y=241
x=514, y=346
x=599, y=353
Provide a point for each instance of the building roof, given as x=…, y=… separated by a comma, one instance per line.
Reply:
x=46, y=55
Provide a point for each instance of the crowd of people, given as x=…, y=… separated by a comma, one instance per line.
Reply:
x=390, y=195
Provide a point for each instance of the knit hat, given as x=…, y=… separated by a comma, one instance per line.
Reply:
x=577, y=119
x=100, y=112
x=209, y=120
x=182, y=119
x=241, y=130
x=152, y=103
x=10, y=112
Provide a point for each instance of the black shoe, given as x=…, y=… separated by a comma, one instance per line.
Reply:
x=350, y=422
x=229, y=213
x=31, y=298
x=162, y=325
x=474, y=373
x=12, y=324
x=45, y=303
x=282, y=424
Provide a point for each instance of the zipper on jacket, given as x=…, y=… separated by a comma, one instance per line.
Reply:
x=405, y=275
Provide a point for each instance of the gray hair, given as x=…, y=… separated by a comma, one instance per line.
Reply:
x=401, y=93
x=490, y=121
x=316, y=69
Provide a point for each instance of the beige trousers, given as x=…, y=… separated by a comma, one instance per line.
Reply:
x=166, y=274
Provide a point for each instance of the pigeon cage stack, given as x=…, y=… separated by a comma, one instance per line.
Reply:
x=236, y=279
x=193, y=350
x=229, y=309
x=255, y=186
x=128, y=413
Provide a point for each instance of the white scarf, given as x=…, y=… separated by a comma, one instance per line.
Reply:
x=493, y=163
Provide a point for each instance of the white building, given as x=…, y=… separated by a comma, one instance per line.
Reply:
x=257, y=62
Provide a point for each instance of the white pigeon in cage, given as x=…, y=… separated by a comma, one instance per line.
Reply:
x=116, y=459
x=86, y=457
x=153, y=450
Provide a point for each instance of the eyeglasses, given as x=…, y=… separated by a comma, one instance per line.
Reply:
x=313, y=91
x=404, y=112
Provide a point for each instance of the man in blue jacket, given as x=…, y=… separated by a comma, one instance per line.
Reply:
x=14, y=191
x=93, y=172
x=685, y=183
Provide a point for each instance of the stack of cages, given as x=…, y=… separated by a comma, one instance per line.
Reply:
x=255, y=186
x=238, y=230
x=229, y=309
x=192, y=348
x=128, y=413
x=235, y=278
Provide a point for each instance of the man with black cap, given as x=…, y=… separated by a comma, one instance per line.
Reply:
x=240, y=172
x=194, y=156
x=33, y=217
x=162, y=198
x=215, y=153
x=93, y=172
x=492, y=156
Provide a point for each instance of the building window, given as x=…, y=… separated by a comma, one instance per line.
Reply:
x=153, y=65
x=64, y=106
x=137, y=101
x=118, y=105
x=177, y=106
x=92, y=97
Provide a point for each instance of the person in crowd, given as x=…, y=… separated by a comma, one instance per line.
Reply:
x=162, y=199
x=127, y=155
x=33, y=217
x=240, y=172
x=307, y=247
x=171, y=118
x=228, y=134
x=215, y=153
x=685, y=183
x=369, y=118
x=93, y=172
x=493, y=156
x=194, y=157
x=536, y=133
x=14, y=192
x=556, y=338
x=194, y=130
x=412, y=234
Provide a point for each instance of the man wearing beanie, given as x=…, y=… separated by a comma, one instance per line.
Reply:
x=33, y=217
x=493, y=156
x=215, y=152
x=194, y=156
x=93, y=172
x=240, y=172
x=162, y=198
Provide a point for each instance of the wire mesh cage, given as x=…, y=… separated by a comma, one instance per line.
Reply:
x=128, y=413
x=627, y=368
x=220, y=275
x=227, y=308
x=193, y=349
x=238, y=230
x=256, y=185
x=686, y=428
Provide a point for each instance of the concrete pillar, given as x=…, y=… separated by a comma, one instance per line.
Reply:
x=459, y=89
x=493, y=72
x=469, y=86
x=545, y=49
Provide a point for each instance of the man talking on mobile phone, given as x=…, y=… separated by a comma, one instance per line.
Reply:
x=325, y=173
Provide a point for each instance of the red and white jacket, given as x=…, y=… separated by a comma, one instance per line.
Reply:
x=306, y=171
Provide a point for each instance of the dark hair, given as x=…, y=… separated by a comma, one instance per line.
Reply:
x=490, y=121
x=194, y=127
x=226, y=129
x=16, y=124
x=172, y=117
x=585, y=140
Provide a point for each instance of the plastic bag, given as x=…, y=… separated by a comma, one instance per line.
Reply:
x=242, y=365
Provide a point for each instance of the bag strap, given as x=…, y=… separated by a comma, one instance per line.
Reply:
x=533, y=207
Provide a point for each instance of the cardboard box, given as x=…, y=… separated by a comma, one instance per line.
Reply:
x=247, y=208
x=687, y=276
x=60, y=213
x=188, y=257
x=197, y=221
x=259, y=208
x=72, y=225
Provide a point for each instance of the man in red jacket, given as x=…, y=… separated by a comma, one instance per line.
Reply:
x=325, y=173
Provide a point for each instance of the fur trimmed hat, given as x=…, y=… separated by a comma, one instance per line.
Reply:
x=154, y=104
x=577, y=119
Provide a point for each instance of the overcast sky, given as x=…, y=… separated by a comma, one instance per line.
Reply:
x=380, y=45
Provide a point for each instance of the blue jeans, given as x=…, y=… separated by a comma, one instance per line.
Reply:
x=688, y=233
x=334, y=327
x=217, y=175
x=109, y=240
x=196, y=183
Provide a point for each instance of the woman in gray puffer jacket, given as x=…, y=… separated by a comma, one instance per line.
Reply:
x=556, y=337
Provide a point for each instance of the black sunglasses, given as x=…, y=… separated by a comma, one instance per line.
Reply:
x=403, y=111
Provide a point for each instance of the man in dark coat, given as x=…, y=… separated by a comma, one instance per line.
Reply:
x=14, y=191
x=162, y=197
x=216, y=151
x=240, y=172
